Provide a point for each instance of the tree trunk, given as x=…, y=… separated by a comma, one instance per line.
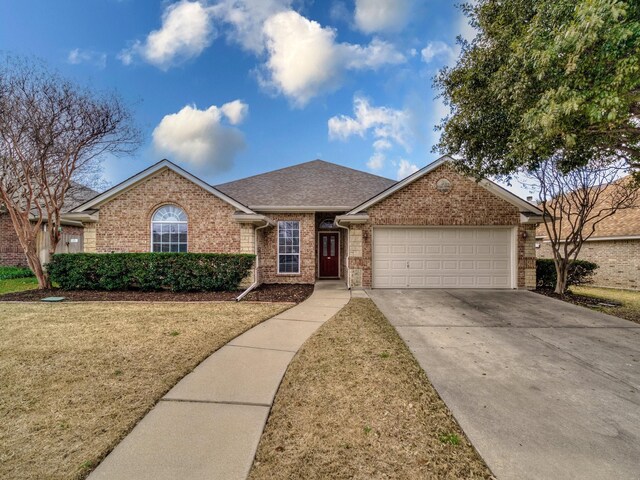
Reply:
x=562, y=272
x=36, y=266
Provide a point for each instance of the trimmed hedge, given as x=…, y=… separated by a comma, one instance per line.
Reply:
x=580, y=272
x=178, y=272
x=7, y=273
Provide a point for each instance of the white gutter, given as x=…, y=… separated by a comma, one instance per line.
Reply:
x=255, y=277
x=336, y=221
x=602, y=239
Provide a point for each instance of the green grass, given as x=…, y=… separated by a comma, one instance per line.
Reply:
x=450, y=438
x=7, y=272
x=17, y=285
x=630, y=300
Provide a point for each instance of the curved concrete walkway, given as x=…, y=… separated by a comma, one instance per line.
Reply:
x=208, y=426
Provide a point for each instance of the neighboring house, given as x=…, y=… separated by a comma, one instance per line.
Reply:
x=315, y=220
x=11, y=252
x=615, y=247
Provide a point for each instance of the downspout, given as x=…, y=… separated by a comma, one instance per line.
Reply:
x=337, y=222
x=256, y=280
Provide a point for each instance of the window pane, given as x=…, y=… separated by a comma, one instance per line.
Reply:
x=288, y=246
x=289, y=263
x=169, y=213
x=169, y=237
x=324, y=246
x=333, y=246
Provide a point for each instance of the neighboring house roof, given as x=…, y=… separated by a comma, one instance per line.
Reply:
x=314, y=185
x=623, y=223
x=77, y=195
x=523, y=205
x=152, y=170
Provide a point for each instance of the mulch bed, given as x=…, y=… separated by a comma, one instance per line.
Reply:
x=581, y=300
x=264, y=293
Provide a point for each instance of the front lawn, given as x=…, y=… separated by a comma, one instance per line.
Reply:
x=13, y=285
x=629, y=301
x=16, y=279
x=354, y=403
x=76, y=377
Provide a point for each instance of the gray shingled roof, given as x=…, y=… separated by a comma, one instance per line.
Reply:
x=77, y=195
x=311, y=184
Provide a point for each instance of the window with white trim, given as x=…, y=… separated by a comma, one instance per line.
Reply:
x=289, y=247
x=169, y=230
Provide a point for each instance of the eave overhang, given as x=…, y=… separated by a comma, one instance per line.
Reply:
x=253, y=219
x=354, y=219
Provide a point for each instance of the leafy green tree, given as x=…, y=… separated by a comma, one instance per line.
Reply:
x=544, y=77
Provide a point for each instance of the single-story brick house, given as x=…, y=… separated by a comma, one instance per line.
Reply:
x=11, y=252
x=435, y=228
x=615, y=247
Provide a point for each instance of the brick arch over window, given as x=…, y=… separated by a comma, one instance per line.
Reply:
x=169, y=229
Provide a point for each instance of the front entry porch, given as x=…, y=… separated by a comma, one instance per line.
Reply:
x=328, y=255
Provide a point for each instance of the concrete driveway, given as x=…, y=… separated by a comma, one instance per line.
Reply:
x=543, y=389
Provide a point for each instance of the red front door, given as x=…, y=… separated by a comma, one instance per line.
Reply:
x=329, y=254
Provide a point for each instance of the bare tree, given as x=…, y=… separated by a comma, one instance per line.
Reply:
x=575, y=202
x=52, y=131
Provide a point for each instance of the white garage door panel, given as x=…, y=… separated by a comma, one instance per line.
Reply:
x=442, y=258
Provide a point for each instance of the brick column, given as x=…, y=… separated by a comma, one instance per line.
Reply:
x=247, y=245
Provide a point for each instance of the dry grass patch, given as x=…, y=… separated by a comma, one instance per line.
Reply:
x=629, y=301
x=354, y=403
x=77, y=377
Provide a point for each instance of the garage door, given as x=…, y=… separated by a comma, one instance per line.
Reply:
x=442, y=257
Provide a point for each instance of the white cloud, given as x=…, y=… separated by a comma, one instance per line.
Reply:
x=465, y=29
x=439, y=50
x=385, y=123
x=187, y=29
x=382, y=144
x=387, y=126
x=339, y=12
x=382, y=15
x=405, y=168
x=78, y=56
x=373, y=56
x=246, y=19
x=200, y=138
x=305, y=60
x=235, y=111
x=376, y=161
x=302, y=58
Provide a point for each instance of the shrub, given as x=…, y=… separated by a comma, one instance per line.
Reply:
x=580, y=272
x=178, y=272
x=7, y=273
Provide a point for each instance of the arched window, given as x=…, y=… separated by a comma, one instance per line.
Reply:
x=327, y=223
x=169, y=230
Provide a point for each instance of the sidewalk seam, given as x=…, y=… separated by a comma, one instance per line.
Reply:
x=218, y=402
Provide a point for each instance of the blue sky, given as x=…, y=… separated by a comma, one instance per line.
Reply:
x=231, y=88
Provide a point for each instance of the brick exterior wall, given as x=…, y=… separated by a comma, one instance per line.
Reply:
x=11, y=253
x=420, y=203
x=90, y=237
x=268, y=250
x=618, y=261
x=124, y=223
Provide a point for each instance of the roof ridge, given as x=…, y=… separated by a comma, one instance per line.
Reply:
x=298, y=165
